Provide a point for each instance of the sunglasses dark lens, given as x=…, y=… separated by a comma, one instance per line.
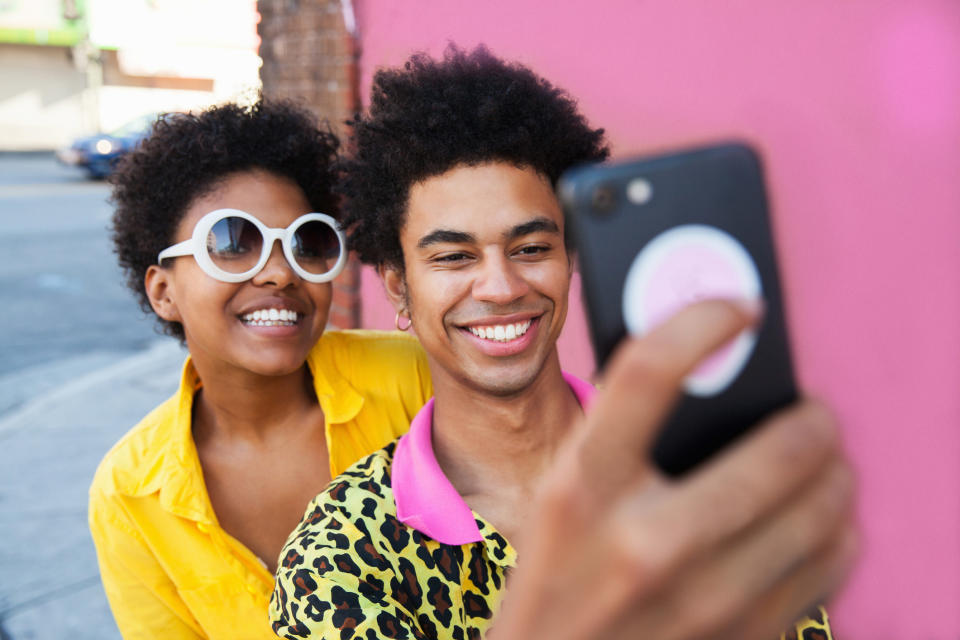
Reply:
x=316, y=247
x=234, y=244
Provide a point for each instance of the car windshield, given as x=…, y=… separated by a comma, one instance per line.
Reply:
x=141, y=124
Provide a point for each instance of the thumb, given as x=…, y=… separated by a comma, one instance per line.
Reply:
x=641, y=386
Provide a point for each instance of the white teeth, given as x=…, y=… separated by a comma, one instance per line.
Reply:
x=501, y=333
x=271, y=317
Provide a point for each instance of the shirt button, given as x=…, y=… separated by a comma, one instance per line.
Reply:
x=252, y=589
x=203, y=527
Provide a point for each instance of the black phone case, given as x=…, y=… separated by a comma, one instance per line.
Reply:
x=720, y=186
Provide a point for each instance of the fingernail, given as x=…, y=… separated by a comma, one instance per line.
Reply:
x=754, y=307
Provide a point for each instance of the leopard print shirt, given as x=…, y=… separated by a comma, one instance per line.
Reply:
x=352, y=570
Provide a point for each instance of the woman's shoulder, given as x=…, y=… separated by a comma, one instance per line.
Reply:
x=362, y=350
x=372, y=341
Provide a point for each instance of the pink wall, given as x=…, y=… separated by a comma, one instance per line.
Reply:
x=856, y=106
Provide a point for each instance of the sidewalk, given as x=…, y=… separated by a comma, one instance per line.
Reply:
x=50, y=446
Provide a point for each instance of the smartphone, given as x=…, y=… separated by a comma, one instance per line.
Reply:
x=654, y=234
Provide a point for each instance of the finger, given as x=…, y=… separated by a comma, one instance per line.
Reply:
x=754, y=561
x=641, y=386
x=721, y=586
x=760, y=472
x=612, y=575
x=787, y=602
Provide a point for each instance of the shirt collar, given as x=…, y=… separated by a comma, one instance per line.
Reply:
x=425, y=498
x=180, y=481
x=181, y=485
x=340, y=401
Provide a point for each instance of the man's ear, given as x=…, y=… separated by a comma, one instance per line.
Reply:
x=160, y=292
x=395, y=285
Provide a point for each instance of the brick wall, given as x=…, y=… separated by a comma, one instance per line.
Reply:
x=309, y=55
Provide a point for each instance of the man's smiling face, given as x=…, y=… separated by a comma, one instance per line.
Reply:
x=486, y=275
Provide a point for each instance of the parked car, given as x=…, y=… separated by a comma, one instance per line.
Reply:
x=99, y=153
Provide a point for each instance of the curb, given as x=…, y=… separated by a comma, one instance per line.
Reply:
x=128, y=367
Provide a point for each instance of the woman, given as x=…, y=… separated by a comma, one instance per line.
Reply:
x=223, y=226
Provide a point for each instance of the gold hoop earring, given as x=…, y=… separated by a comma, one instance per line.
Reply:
x=396, y=320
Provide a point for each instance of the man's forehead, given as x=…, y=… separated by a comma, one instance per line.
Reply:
x=490, y=200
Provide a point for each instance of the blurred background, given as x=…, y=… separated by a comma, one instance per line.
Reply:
x=855, y=107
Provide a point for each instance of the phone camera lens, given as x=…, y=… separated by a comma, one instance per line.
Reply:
x=603, y=199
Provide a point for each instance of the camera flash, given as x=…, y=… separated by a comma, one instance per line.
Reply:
x=639, y=191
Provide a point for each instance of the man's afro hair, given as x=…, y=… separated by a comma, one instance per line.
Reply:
x=186, y=156
x=432, y=115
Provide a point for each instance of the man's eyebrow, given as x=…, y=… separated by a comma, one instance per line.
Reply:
x=445, y=235
x=538, y=224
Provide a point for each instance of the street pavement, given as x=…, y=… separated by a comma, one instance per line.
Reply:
x=80, y=364
x=49, y=449
x=59, y=280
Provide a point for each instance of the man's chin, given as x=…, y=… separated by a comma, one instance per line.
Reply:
x=504, y=384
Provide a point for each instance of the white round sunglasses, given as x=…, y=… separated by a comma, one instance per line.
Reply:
x=233, y=246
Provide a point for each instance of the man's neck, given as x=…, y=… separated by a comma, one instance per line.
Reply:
x=493, y=448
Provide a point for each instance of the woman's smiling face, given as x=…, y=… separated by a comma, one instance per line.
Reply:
x=224, y=322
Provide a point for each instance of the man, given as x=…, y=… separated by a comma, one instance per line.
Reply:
x=451, y=195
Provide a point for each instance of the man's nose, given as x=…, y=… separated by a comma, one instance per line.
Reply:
x=499, y=281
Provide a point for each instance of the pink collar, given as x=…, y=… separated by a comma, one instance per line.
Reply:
x=424, y=497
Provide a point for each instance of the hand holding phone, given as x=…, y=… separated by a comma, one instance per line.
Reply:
x=656, y=234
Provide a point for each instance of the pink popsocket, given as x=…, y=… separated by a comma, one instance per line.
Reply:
x=682, y=266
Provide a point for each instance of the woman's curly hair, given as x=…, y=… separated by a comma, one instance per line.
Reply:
x=186, y=156
x=432, y=115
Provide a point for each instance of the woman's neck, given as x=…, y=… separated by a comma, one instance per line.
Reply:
x=244, y=405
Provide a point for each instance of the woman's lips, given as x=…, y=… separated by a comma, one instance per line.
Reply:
x=273, y=322
x=270, y=317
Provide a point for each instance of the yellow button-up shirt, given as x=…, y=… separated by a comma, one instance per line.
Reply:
x=169, y=570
